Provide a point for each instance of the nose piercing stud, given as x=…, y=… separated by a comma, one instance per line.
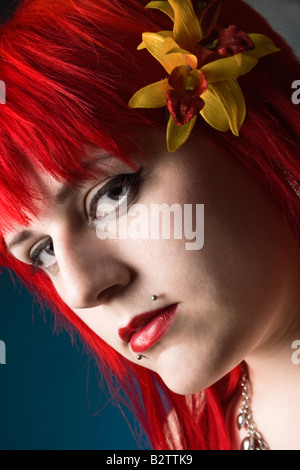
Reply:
x=154, y=297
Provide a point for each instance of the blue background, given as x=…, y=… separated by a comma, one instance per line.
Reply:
x=49, y=395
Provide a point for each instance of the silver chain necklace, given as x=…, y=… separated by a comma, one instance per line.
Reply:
x=254, y=439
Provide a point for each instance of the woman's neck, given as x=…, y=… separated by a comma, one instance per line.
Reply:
x=275, y=385
x=274, y=382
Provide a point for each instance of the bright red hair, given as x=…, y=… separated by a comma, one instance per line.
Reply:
x=70, y=68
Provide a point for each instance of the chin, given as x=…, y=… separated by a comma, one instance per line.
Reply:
x=189, y=377
x=183, y=390
x=185, y=384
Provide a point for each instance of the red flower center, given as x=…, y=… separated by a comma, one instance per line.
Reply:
x=228, y=41
x=184, y=101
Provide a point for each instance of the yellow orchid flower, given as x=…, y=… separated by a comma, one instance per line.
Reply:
x=203, y=63
x=211, y=90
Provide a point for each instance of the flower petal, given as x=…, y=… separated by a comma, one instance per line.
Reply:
x=177, y=135
x=154, y=42
x=187, y=29
x=228, y=68
x=263, y=46
x=238, y=59
x=171, y=47
x=162, y=6
x=224, y=99
x=213, y=111
x=210, y=15
x=183, y=107
x=164, y=34
x=151, y=96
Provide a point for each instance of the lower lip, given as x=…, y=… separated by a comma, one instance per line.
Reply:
x=153, y=331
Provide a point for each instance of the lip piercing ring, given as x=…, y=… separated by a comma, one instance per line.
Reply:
x=140, y=356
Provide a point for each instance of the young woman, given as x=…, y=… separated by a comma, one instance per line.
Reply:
x=199, y=337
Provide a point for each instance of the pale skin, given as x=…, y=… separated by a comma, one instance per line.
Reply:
x=238, y=297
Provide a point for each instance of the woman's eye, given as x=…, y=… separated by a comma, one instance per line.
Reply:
x=42, y=255
x=116, y=195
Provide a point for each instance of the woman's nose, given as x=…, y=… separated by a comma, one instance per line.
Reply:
x=90, y=272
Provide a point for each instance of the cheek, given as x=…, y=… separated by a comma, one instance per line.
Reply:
x=241, y=253
x=98, y=322
x=240, y=269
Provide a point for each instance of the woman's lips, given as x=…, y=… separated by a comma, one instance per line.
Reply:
x=148, y=328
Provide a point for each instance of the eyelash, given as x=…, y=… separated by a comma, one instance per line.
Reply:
x=35, y=263
x=131, y=180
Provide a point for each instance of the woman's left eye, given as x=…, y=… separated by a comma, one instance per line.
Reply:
x=117, y=194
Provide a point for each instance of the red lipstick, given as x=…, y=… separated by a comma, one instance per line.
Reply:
x=148, y=328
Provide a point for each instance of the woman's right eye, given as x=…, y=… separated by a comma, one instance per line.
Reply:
x=42, y=255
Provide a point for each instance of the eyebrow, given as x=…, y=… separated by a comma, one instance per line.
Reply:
x=67, y=189
x=62, y=194
x=20, y=238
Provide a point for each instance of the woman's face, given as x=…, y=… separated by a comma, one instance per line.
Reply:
x=215, y=303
